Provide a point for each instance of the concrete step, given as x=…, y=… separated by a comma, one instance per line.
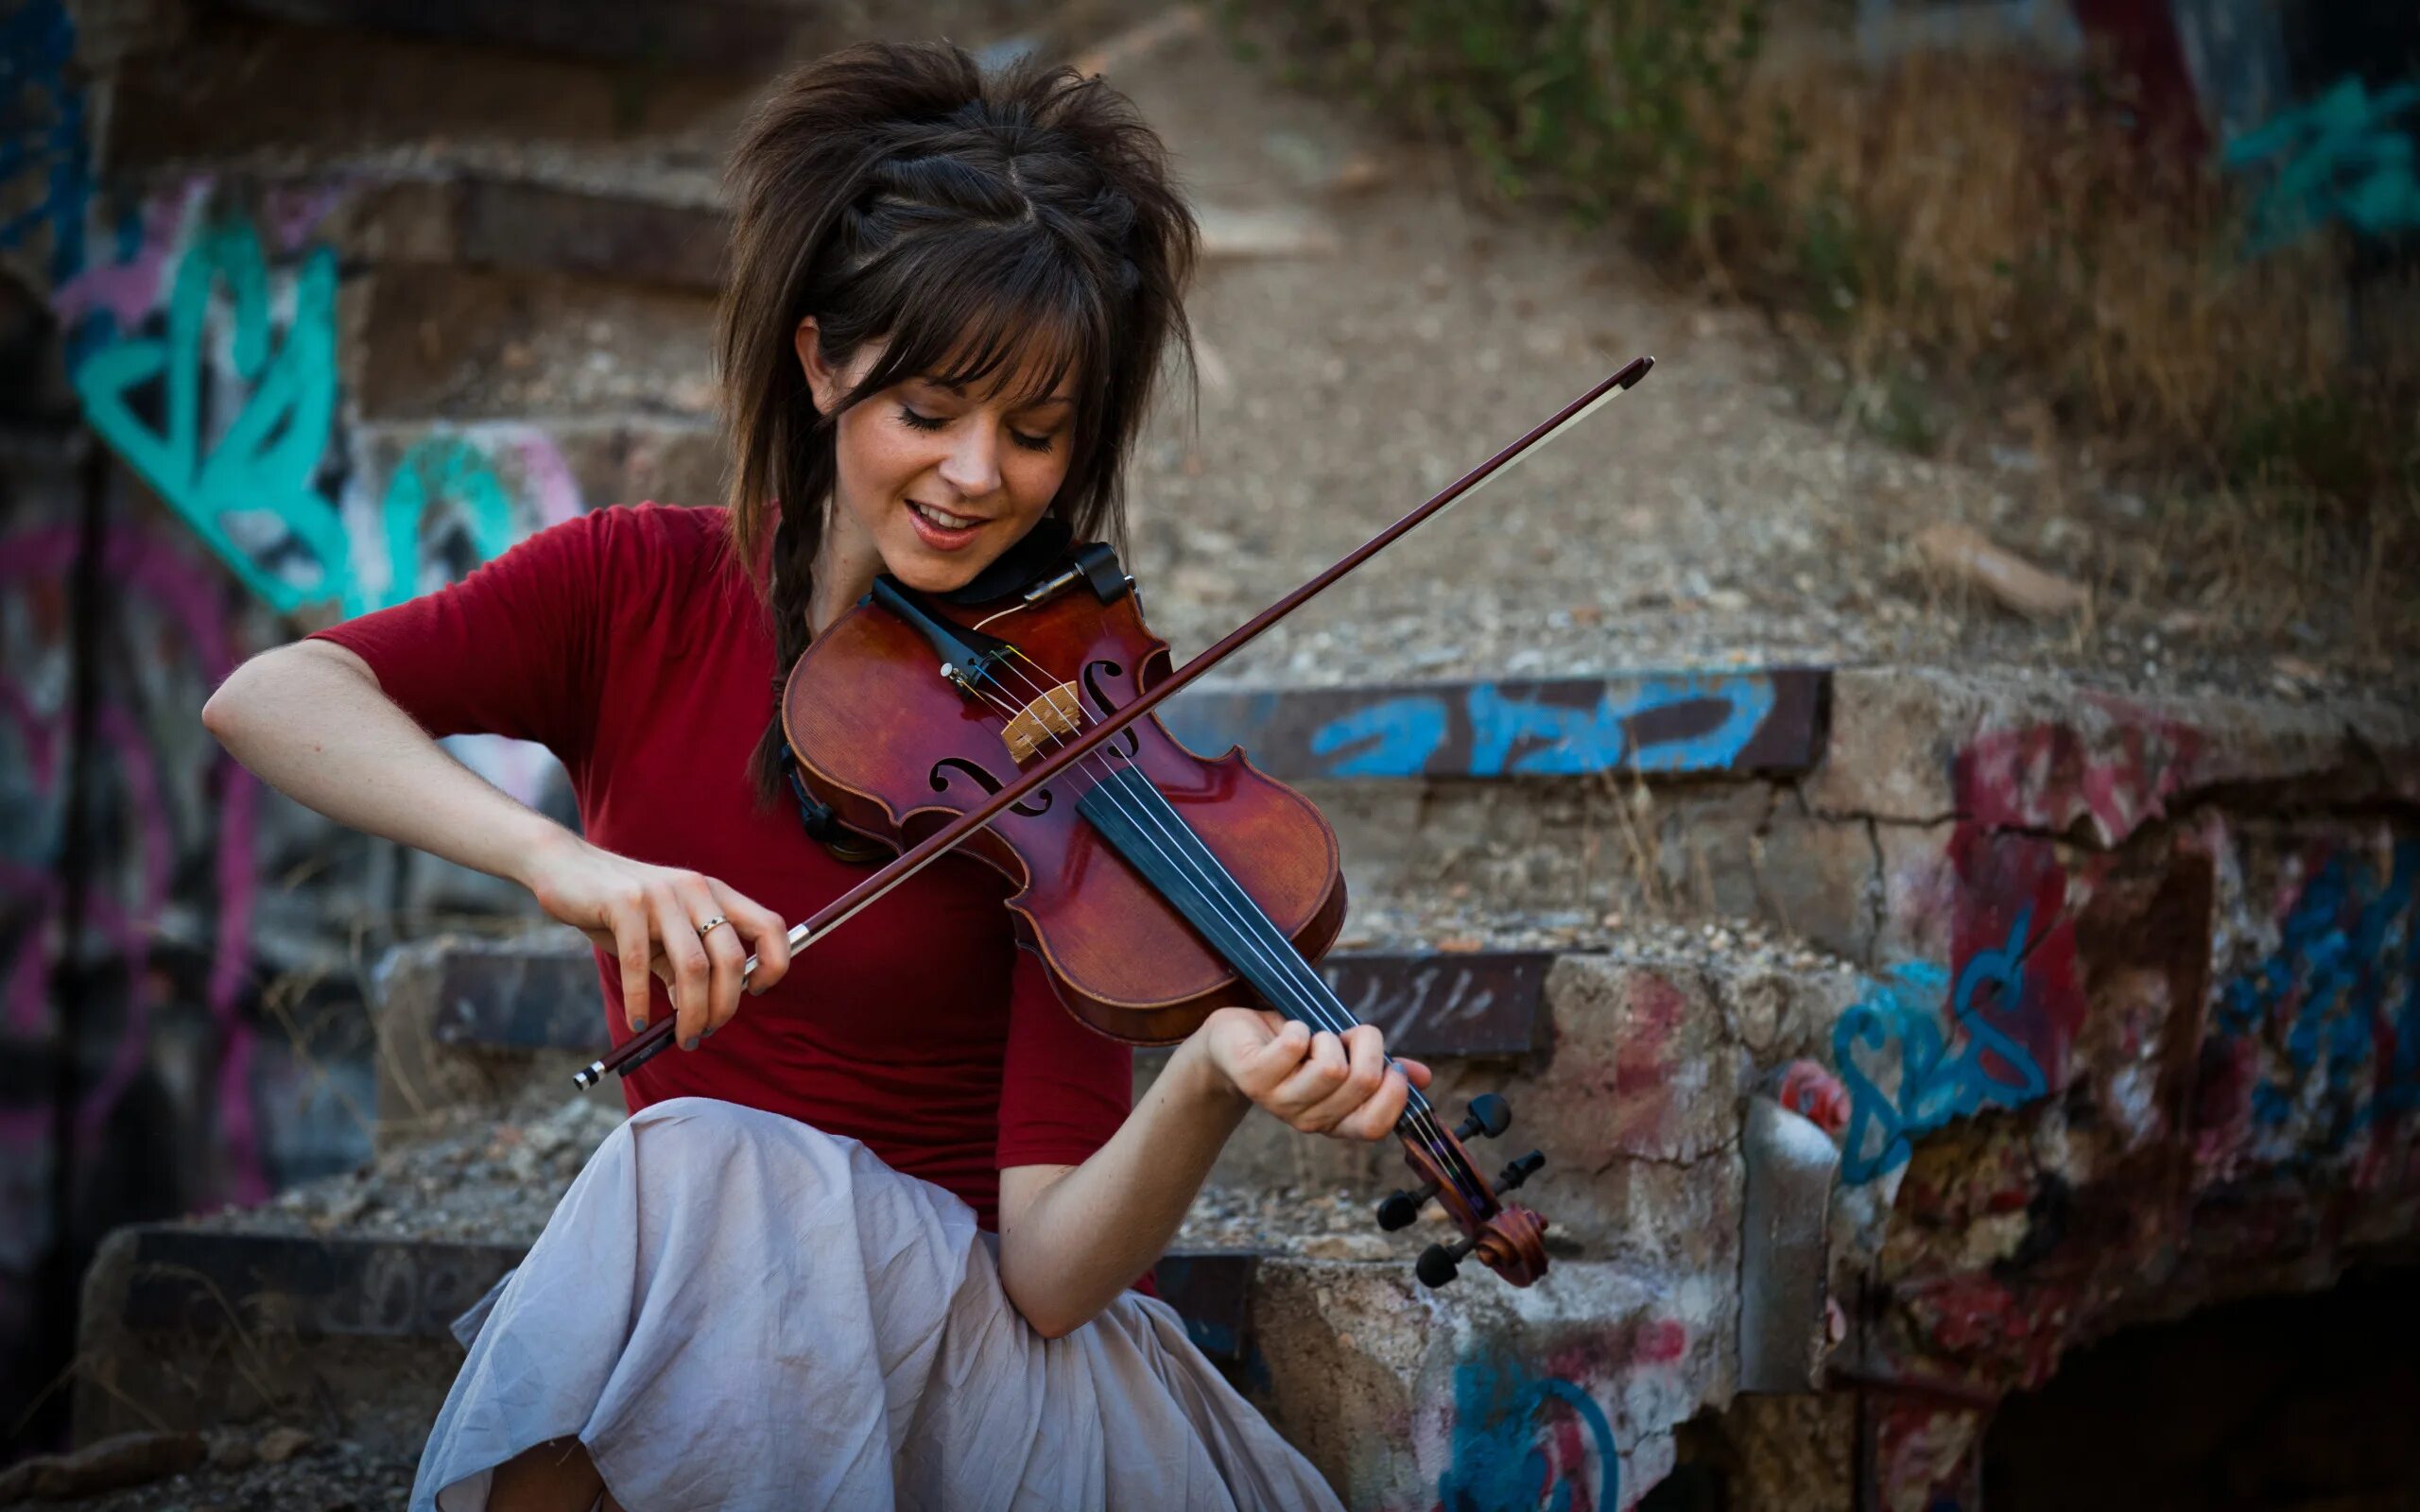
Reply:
x=1625, y=1065
x=236, y=90
x=329, y=1308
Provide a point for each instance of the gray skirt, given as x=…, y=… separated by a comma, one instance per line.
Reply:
x=732, y=1309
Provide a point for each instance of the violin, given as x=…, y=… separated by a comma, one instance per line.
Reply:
x=1012, y=720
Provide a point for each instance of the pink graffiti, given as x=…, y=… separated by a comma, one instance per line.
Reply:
x=130, y=290
x=2049, y=778
x=1810, y=1090
x=292, y=211
x=1643, y=1079
x=549, y=478
x=146, y=571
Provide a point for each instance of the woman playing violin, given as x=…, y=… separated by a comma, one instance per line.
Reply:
x=875, y=1239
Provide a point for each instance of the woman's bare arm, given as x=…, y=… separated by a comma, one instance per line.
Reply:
x=1072, y=1237
x=310, y=720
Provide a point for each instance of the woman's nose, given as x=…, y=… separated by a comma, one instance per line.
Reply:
x=972, y=465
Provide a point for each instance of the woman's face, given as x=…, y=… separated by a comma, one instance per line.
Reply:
x=934, y=482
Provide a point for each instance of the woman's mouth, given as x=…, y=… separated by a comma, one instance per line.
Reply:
x=943, y=530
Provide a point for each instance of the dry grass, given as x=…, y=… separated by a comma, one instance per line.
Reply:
x=1986, y=215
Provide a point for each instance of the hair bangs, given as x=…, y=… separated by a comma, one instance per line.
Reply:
x=1023, y=324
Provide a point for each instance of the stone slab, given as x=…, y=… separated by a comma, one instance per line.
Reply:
x=1922, y=746
x=1735, y=723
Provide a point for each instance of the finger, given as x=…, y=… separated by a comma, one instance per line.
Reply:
x=633, y=944
x=1376, y=1118
x=725, y=954
x=692, y=969
x=1322, y=1073
x=1365, y=1074
x=1275, y=1058
x=1416, y=1071
x=767, y=934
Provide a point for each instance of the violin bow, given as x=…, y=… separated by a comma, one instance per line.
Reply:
x=639, y=1048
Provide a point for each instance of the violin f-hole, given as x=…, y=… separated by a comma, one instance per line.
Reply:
x=1106, y=705
x=1033, y=807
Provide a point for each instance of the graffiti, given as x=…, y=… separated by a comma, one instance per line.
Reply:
x=43, y=138
x=2323, y=1032
x=1530, y=728
x=1484, y=1005
x=2339, y=158
x=1534, y=738
x=126, y=909
x=252, y=496
x=1523, y=1441
x=1935, y=1085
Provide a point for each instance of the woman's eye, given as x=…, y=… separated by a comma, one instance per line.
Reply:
x=921, y=423
x=1033, y=443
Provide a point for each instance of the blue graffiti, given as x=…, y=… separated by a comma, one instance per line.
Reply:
x=41, y=133
x=1402, y=733
x=1497, y=1465
x=1530, y=737
x=2336, y=158
x=1935, y=1086
x=2344, y=979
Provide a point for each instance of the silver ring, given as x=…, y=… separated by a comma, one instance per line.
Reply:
x=711, y=925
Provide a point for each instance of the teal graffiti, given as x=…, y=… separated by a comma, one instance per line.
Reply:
x=250, y=497
x=442, y=469
x=253, y=494
x=1497, y=1465
x=2341, y=991
x=2338, y=158
x=1934, y=1085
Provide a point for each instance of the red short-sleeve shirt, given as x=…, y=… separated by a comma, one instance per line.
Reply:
x=629, y=643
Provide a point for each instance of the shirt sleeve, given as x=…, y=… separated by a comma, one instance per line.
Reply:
x=1064, y=1088
x=515, y=649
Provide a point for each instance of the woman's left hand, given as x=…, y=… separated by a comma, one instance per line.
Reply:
x=1321, y=1083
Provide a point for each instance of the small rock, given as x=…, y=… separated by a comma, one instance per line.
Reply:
x=1964, y=553
x=279, y=1445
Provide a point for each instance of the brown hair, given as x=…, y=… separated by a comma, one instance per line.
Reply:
x=984, y=226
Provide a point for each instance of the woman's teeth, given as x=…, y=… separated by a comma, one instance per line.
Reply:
x=942, y=519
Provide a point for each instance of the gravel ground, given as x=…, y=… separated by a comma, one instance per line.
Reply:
x=237, y=1473
x=1702, y=520
x=1708, y=518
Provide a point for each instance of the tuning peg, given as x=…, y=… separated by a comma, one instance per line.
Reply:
x=1439, y=1263
x=1520, y=1171
x=1402, y=1208
x=1489, y=1114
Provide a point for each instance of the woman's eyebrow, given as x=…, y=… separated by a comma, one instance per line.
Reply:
x=958, y=391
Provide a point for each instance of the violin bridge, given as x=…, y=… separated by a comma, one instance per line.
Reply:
x=1055, y=715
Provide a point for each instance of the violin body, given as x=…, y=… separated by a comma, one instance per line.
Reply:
x=897, y=751
x=1156, y=884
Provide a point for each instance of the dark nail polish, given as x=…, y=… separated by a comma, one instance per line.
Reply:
x=690, y=1043
x=638, y=1025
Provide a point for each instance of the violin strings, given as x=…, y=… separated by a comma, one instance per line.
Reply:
x=1284, y=958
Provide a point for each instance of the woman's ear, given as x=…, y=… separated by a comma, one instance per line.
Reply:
x=822, y=380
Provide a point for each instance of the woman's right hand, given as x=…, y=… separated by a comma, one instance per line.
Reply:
x=647, y=915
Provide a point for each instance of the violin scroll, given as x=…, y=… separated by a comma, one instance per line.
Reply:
x=1508, y=1238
